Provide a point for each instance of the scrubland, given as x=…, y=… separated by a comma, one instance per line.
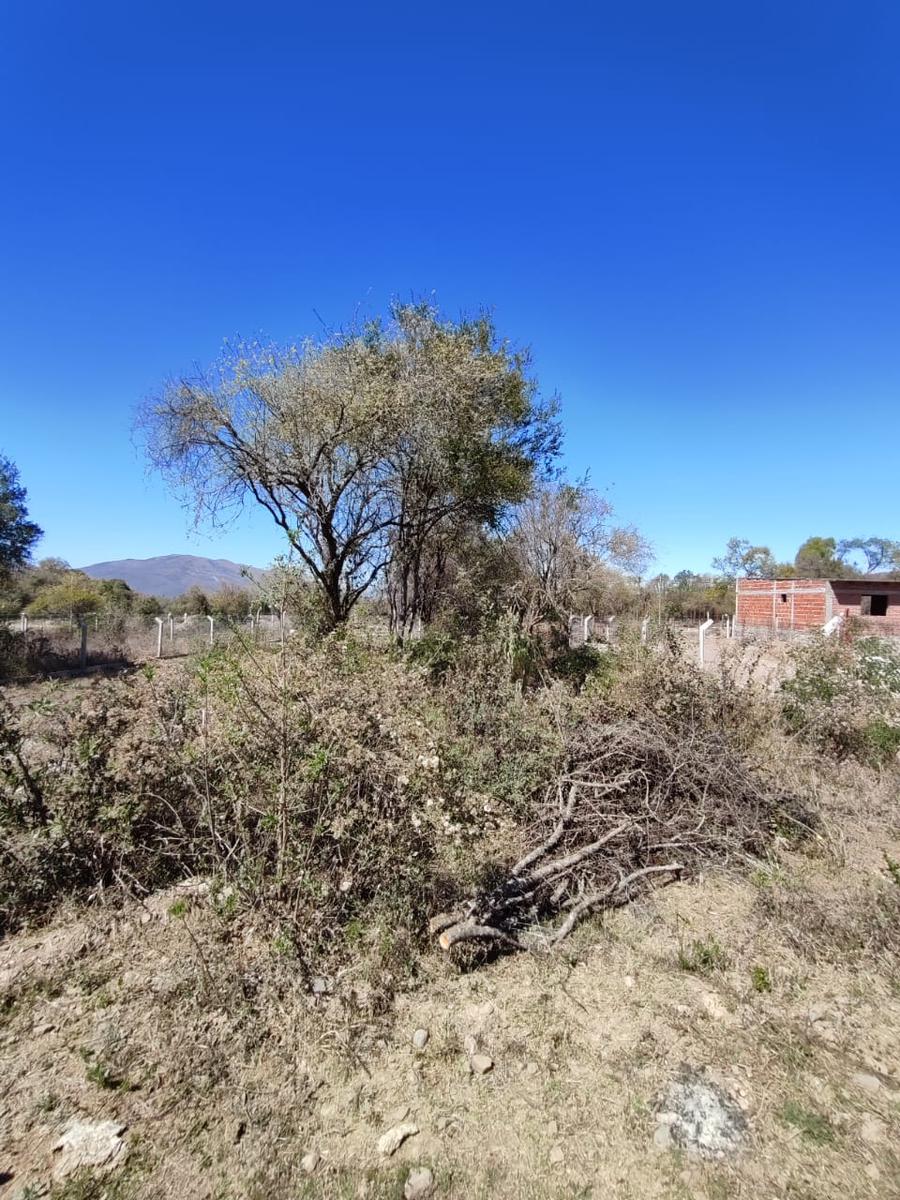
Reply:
x=223, y=883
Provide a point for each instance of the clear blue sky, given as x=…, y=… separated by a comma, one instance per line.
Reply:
x=691, y=211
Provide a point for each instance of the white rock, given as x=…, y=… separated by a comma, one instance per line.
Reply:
x=707, y=1119
x=868, y=1083
x=310, y=1161
x=390, y=1142
x=873, y=1131
x=481, y=1064
x=470, y=1044
x=819, y=1012
x=662, y=1138
x=419, y=1184
x=557, y=1155
x=420, y=1039
x=90, y=1144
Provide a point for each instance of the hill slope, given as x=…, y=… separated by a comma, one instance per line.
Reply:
x=173, y=574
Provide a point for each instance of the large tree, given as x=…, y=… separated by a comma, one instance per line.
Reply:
x=564, y=543
x=881, y=554
x=17, y=534
x=817, y=558
x=363, y=447
x=744, y=560
x=468, y=434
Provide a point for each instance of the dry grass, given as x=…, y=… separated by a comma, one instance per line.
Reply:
x=192, y=1031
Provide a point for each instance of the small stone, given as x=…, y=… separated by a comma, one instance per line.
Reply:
x=420, y=1039
x=310, y=1161
x=481, y=1064
x=873, y=1131
x=629, y=981
x=531, y=1068
x=390, y=1142
x=90, y=1144
x=662, y=1138
x=557, y=1155
x=714, y=1007
x=319, y=986
x=868, y=1083
x=707, y=1119
x=470, y=1044
x=419, y=1184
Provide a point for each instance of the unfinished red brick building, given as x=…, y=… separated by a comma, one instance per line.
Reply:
x=795, y=605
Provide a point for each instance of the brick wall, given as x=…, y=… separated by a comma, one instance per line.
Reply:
x=848, y=596
x=782, y=605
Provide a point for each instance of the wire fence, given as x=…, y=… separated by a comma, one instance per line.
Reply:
x=64, y=643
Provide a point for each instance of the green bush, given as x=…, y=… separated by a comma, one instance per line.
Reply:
x=845, y=699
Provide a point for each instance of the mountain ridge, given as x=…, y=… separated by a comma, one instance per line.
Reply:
x=172, y=574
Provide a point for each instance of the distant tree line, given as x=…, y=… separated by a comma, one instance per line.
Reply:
x=690, y=595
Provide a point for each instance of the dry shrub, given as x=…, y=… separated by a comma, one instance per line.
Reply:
x=658, y=780
x=332, y=786
x=92, y=796
x=862, y=922
x=347, y=793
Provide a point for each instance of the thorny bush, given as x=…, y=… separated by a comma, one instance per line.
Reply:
x=348, y=793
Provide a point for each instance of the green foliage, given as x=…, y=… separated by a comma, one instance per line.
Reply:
x=814, y=1127
x=703, y=957
x=367, y=448
x=743, y=560
x=76, y=596
x=845, y=699
x=893, y=868
x=17, y=534
x=690, y=596
x=817, y=558
x=760, y=979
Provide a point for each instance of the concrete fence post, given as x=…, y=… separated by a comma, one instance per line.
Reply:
x=82, y=649
x=159, y=631
x=171, y=621
x=645, y=625
x=24, y=622
x=212, y=623
x=703, y=628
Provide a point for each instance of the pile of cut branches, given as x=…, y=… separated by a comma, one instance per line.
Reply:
x=640, y=804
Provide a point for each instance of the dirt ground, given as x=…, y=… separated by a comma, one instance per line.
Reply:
x=232, y=1078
